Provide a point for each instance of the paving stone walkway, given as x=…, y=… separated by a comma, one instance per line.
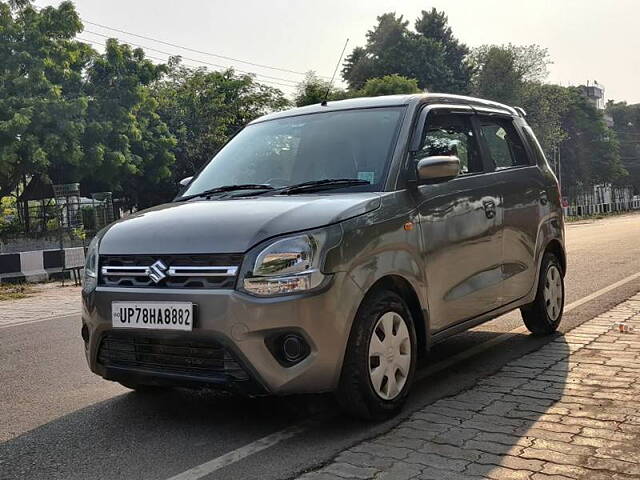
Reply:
x=49, y=300
x=570, y=410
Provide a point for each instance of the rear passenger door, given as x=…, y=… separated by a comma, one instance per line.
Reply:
x=519, y=184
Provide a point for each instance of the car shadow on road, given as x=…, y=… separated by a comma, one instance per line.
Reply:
x=483, y=430
x=135, y=436
x=156, y=436
x=477, y=414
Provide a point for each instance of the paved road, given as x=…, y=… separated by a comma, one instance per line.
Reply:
x=59, y=421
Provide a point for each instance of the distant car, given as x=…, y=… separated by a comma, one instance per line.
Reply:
x=324, y=248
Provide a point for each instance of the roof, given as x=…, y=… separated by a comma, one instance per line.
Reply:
x=37, y=189
x=387, y=101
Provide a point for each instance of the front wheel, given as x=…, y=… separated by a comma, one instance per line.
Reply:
x=381, y=358
x=543, y=316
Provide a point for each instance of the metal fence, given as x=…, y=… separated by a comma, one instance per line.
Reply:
x=579, y=201
x=64, y=220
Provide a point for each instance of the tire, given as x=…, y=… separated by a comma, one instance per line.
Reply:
x=381, y=311
x=543, y=316
x=143, y=389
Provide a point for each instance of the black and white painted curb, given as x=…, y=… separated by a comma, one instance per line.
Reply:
x=39, y=265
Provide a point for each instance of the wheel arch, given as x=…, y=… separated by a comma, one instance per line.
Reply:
x=403, y=287
x=554, y=246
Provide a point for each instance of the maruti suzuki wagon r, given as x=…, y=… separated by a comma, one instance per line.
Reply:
x=324, y=248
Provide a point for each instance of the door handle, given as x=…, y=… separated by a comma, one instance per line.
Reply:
x=544, y=199
x=489, y=208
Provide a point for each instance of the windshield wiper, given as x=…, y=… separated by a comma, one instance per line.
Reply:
x=227, y=188
x=327, y=183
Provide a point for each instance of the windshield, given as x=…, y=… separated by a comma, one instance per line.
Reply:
x=288, y=151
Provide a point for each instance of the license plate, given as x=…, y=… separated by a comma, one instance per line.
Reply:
x=154, y=315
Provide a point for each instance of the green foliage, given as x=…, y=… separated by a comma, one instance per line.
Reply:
x=89, y=217
x=501, y=71
x=561, y=117
x=204, y=109
x=113, y=121
x=127, y=146
x=435, y=25
x=513, y=75
x=9, y=220
x=389, y=85
x=430, y=54
x=626, y=120
x=546, y=105
x=590, y=152
x=41, y=107
x=314, y=90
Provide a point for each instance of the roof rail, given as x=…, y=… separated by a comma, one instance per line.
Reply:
x=520, y=111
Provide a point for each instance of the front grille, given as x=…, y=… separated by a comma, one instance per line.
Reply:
x=184, y=271
x=185, y=356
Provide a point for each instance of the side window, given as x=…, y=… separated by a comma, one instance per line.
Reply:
x=534, y=144
x=503, y=143
x=451, y=134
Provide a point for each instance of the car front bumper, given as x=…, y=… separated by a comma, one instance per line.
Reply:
x=243, y=326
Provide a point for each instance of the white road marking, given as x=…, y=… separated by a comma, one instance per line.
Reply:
x=39, y=320
x=600, y=292
x=240, y=453
x=263, y=443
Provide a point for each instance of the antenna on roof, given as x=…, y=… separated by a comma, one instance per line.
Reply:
x=326, y=95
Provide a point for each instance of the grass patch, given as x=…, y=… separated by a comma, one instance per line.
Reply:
x=14, y=291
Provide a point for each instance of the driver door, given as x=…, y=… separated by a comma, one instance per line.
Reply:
x=460, y=222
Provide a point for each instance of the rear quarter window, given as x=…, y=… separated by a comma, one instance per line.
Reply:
x=534, y=145
x=504, y=145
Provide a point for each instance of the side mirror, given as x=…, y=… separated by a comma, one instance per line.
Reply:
x=438, y=168
x=185, y=181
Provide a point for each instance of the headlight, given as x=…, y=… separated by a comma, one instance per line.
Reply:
x=290, y=265
x=91, y=265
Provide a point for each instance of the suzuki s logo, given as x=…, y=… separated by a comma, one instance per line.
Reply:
x=157, y=271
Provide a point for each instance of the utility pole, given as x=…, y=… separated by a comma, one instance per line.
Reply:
x=556, y=164
x=559, y=169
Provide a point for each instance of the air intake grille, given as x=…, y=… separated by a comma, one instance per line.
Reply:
x=202, y=358
x=183, y=271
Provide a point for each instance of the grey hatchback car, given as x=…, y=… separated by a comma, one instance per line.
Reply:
x=325, y=248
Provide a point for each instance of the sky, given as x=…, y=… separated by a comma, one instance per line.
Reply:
x=587, y=40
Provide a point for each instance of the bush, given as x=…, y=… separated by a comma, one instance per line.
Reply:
x=9, y=220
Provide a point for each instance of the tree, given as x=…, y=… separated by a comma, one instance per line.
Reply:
x=73, y=115
x=203, y=109
x=626, y=120
x=128, y=148
x=546, y=106
x=389, y=85
x=501, y=71
x=314, y=90
x=42, y=108
x=590, y=152
x=431, y=54
x=435, y=25
x=564, y=121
